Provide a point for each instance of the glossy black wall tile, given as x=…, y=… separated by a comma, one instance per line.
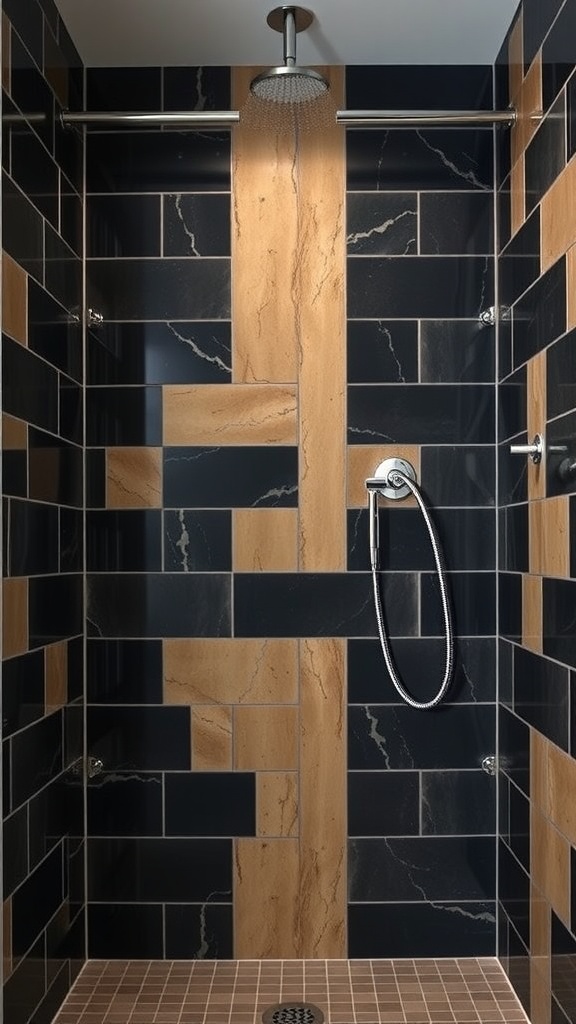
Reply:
x=149, y=162
x=22, y=691
x=539, y=317
x=158, y=604
x=140, y=738
x=421, y=87
x=443, y=414
x=559, y=641
x=407, y=159
x=467, y=537
x=160, y=353
x=130, y=930
x=124, y=416
x=430, y=869
x=541, y=695
x=196, y=931
x=456, y=351
x=558, y=57
x=230, y=477
x=546, y=154
x=124, y=671
x=123, y=803
x=381, y=223
x=458, y=476
x=157, y=870
x=164, y=289
x=421, y=929
x=519, y=262
x=421, y=286
x=210, y=804
x=383, y=803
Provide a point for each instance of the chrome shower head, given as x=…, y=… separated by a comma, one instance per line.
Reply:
x=288, y=93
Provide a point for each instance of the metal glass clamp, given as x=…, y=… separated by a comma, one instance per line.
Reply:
x=535, y=450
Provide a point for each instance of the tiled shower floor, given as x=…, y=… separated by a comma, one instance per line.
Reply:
x=238, y=991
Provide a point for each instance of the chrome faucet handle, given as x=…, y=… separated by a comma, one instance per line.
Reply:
x=535, y=450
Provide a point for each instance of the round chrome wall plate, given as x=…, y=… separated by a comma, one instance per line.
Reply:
x=386, y=470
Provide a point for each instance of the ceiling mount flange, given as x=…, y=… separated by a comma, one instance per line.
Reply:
x=302, y=18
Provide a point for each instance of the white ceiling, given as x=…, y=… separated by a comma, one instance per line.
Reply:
x=110, y=33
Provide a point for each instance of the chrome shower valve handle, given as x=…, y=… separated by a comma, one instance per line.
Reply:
x=535, y=450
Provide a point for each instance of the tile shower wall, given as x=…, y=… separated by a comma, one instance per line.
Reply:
x=536, y=179
x=42, y=437
x=229, y=591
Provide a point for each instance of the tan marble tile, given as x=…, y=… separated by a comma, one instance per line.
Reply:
x=265, y=302
x=134, y=478
x=14, y=616
x=539, y=785
x=230, y=671
x=322, y=916
x=532, y=612
x=517, y=195
x=211, y=738
x=549, y=536
x=277, y=804
x=558, y=216
x=7, y=938
x=216, y=414
x=266, y=888
x=14, y=434
x=540, y=936
x=550, y=863
x=6, y=54
x=516, y=58
x=528, y=106
x=14, y=300
x=536, y=421
x=540, y=1000
x=362, y=462
x=571, y=288
x=265, y=539
x=55, y=676
x=561, y=788
x=265, y=738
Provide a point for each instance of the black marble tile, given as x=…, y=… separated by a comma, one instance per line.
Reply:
x=30, y=389
x=388, y=737
x=505, y=347
x=456, y=351
x=71, y=540
x=140, y=738
x=504, y=214
x=557, y=1014
x=124, y=416
x=512, y=405
x=519, y=968
x=541, y=695
x=22, y=230
x=158, y=162
x=29, y=89
x=154, y=870
x=55, y=608
x=121, y=226
x=124, y=671
x=160, y=289
x=196, y=225
x=467, y=538
x=95, y=460
x=128, y=930
x=518, y=836
x=561, y=376
x=124, y=541
x=34, y=903
x=382, y=224
x=35, y=172
x=55, y=469
x=539, y=317
x=421, y=869
x=559, y=640
x=537, y=19
x=199, y=931
x=514, y=891
x=53, y=333
x=421, y=929
x=15, y=866
x=69, y=154
x=71, y=218
x=571, y=116
x=472, y=601
x=510, y=605
x=159, y=605
x=31, y=538
x=27, y=20
x=474, y=674
x=71, y=421
x=131, y=88
x=457, y=222
x=411, y=159
x=22, y=691
x=512, y=474
x=383, y=803
x=56, y=812
x=519, y=262
x=514, y=543
x=458, y=476
x=197, y=541
x=197, y=88
x=441, y=414
x=420, y=87
x=435, y=287
x=209, y=804
x=382, y=351
x=15, y=473
x=160, y=353
x=230, y=477
x=563, y=949
x=514, y=744
x=505, y=672
x=328, y=604
x=125, y=804
x=558, y=53
x=63, y=270
x=545, y=155
x=459, y=803
x=560, y=445
x=26, y=987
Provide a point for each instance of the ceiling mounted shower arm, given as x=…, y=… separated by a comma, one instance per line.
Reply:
x=424, y=118
x=289, y=37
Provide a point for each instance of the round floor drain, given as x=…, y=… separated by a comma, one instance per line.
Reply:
x=293, y=1013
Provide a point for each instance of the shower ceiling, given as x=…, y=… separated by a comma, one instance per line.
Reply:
x=195, y=32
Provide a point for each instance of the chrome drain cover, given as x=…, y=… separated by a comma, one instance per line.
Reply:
x=293, y=1013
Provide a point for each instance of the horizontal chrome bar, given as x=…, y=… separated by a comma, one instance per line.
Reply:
x=179, y=118
x=413, y=118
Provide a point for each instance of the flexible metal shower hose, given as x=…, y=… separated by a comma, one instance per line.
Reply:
x=449, y=636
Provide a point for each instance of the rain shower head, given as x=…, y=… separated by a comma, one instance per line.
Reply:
x=288, y=94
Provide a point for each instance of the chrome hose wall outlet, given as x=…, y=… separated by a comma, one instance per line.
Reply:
x=398, y=479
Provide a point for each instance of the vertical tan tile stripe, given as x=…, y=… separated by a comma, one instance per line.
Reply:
x=264, y=539
x=550, y=863
x=56, y=676
x=517, y=196
x=277, y=803
x=558, y=213
x=532, y=612
x=322, y=376
x=549, y=536
x=265, y=899
x=536, y=402
x=516, y=57
x=265, y=302
x=322, y=915
x=14, y=300
x=528, y=105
